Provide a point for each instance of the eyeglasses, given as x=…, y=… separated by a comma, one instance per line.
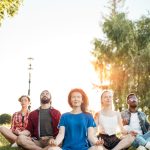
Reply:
x=133, y=98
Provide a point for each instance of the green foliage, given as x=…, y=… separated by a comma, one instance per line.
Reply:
x=5, y=119
x=119, y=26
x=127, y=50
x=143, y=32
x=9, y=8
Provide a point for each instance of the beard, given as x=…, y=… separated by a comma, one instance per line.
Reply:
x=45, y=100
x=134, y=105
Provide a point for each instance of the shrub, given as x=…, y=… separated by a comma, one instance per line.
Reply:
x=5, y=119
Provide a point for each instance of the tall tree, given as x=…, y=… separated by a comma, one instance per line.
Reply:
x=127, y=43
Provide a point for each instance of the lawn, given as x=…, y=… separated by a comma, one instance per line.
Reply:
x=5, y=145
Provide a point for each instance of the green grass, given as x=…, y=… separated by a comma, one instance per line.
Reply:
x=5, y=145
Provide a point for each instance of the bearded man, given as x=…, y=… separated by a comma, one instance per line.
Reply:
x=42, y=125
x=136, y=123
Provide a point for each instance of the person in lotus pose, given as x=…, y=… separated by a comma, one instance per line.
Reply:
x=108, y=122
x=19, y=121
x=76, y=128
x=42, y=125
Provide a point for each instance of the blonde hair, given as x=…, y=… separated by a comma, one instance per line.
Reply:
x=103, y=92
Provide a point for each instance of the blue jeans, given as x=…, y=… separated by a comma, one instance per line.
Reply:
x=141, y=139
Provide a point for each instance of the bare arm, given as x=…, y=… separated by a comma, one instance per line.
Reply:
x=96, y=117
x=123, y=130
x=59, y=137
x=99, y=127
x=93, y=138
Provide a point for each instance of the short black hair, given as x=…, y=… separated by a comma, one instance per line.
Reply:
x=129, y=95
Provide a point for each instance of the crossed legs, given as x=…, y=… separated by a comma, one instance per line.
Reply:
x=91, y=148
x=8, y=134
x=27, y=143
x=125, y=142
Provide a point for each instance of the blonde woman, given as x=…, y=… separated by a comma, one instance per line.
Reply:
x=109, y=122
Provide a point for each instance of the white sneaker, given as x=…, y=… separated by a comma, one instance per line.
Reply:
x=14, y=145
x=148, y=145
x=141, y=148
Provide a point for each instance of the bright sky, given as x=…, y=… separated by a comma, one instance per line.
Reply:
x=58, y=34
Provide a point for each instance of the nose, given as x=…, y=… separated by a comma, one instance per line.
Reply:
x=134, y=100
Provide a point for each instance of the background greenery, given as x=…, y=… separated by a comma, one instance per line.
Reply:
x=8, y=8
x=122, y=56
x=5, y=119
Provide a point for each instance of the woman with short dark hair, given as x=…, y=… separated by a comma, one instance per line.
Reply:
x=19, y=121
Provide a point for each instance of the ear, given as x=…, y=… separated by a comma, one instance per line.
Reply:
x=127, y=101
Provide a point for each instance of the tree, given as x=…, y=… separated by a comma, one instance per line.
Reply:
x=127, y=43
x=5, y=119
x=9, y=8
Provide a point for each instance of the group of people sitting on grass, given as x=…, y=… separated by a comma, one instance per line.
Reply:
x=46, y=129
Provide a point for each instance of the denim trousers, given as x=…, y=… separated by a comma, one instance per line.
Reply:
x=141, y=139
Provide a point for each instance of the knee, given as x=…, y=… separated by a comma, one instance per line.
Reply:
x=2, y=129
x=96, y=148
x=20, y=139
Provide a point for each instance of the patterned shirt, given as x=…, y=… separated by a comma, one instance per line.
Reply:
x=19, y=122
x=144, y=123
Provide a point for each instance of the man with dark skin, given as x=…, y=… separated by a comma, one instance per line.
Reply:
x=136, y=123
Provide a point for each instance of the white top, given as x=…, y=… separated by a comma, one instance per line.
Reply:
x=109, y=124
x=134, y=124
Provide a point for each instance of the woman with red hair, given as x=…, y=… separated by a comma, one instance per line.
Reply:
x=76, y=128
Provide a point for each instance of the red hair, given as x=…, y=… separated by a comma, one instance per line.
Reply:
x=85, y=103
